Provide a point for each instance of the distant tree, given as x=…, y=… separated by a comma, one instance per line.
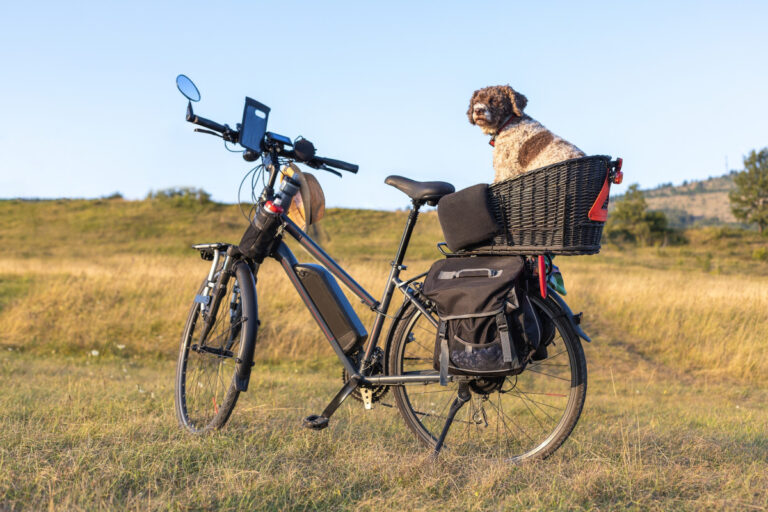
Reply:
x=630, y=220
x=749, y=202
x=181, y=196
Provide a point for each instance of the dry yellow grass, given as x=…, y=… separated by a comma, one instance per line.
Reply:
x=692, y=320
x=126, y=305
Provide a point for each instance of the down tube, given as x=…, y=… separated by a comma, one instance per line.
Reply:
x=288, y=262
x=317, y=252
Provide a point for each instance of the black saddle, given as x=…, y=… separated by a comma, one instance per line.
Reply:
x=428, y=192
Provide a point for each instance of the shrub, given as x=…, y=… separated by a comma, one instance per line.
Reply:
x=181, y=196
x=630, y=221
x=760, y=254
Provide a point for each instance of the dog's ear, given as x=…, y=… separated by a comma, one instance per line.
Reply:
x=471, y=105
x=517, y=100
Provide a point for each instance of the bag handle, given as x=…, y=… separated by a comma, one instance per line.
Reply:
x=470, y=272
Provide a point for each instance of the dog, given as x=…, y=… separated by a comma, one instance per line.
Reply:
x=520, y=143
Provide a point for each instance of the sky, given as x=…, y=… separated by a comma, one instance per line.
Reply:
x=89, y=105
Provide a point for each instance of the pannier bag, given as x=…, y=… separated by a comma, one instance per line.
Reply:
x=488, y=325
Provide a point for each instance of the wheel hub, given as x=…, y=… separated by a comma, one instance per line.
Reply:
x=486, y=385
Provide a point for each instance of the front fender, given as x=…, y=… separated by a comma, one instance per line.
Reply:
x=250, y=325
x=568, y=314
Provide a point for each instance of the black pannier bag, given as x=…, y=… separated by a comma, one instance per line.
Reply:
x=488, y=325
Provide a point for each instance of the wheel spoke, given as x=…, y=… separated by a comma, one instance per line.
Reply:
x=549, y=375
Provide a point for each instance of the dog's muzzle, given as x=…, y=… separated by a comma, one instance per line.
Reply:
x=482, y=114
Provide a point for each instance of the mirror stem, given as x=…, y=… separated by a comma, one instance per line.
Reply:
x=190, y=114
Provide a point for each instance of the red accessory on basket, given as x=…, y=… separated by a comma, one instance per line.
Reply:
x=599, y=210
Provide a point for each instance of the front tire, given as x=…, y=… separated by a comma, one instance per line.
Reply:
x=514, y=418
x=206, y=391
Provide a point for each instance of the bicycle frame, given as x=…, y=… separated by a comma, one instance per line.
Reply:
x=287, y=260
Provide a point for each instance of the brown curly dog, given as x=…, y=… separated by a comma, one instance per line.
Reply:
x=520, y=143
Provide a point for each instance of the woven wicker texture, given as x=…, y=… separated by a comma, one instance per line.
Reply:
x=546, y=210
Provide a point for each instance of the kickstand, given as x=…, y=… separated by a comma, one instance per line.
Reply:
x=462, y=397
x=319, y=422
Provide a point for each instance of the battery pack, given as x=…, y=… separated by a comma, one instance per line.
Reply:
x=334, y=308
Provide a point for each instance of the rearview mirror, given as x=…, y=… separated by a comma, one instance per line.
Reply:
x=187, y=88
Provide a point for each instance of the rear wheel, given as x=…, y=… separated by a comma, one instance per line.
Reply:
x=206, y=392
x=512, y=418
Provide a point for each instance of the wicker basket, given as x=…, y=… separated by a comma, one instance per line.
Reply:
x=547, y=210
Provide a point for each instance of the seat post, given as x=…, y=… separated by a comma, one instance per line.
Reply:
x=407, y=232
x=389, y=289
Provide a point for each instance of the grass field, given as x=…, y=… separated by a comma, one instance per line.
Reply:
x=93, y=295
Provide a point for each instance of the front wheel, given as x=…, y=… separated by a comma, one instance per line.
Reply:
x=209, y=358
x=514, y=418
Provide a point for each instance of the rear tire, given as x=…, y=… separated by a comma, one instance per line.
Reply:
x=514, y=418
x=206, y=392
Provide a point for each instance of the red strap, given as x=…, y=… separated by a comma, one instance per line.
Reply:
x=542, y=276
x=599, y=210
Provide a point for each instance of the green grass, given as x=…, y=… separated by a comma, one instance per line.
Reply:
x=81, y=433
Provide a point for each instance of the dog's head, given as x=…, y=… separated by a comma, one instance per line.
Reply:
x=491, y=106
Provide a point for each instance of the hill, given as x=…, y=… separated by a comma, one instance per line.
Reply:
x=694, y=203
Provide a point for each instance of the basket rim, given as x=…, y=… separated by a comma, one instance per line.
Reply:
x=538, y=170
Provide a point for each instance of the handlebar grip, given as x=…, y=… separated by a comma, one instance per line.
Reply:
x=207, y=123
x=344, y=166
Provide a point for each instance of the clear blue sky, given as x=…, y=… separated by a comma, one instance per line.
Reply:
x=89, y=105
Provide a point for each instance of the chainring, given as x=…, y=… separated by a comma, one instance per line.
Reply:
x=375, y=367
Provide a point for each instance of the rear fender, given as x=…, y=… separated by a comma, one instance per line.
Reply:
x=566, y=311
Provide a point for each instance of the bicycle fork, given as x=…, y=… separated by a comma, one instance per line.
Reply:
x=219, y=288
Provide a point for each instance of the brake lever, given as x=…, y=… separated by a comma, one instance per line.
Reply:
x=326, y=168
x=209, y=132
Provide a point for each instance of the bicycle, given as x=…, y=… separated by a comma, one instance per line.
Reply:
x=518, y=417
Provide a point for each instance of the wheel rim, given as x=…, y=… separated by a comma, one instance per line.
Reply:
x=511, y=418
x=208, y=365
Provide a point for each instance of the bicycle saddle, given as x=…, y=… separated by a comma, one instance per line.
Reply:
x=423, y=191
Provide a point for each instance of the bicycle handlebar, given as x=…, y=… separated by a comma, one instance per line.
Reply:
x=318, y=162
x=231, y=135
x=344, y=166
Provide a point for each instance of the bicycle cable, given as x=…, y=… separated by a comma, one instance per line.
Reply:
x=257, y=170
x=232, y=150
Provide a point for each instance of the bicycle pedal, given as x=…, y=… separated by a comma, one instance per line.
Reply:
x=315, y=422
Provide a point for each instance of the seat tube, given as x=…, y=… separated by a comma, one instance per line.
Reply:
x=389, y=289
